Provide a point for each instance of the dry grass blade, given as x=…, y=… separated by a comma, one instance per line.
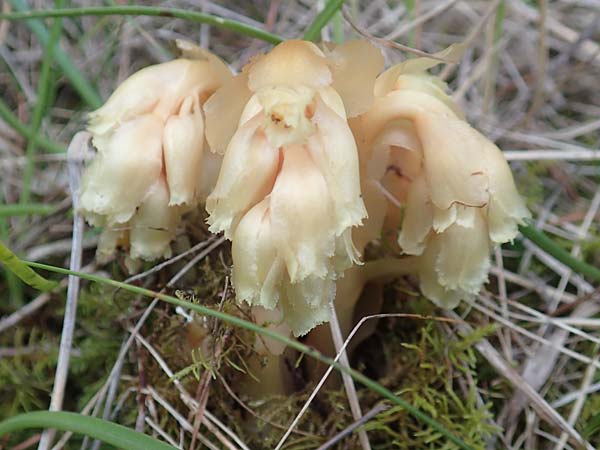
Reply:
x=75, y=153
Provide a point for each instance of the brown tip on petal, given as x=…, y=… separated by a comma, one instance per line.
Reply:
x=290, y=63
x=189, y=50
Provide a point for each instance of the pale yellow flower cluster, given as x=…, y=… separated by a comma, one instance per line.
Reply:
x=150, y=165
x=319, y=151
x=454, y=186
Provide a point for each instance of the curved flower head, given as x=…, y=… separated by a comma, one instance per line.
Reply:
x=150, y=163
x=288, y=193
x=454, y=185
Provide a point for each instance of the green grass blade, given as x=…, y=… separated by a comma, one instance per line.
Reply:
x=80, y=83
x=542, y=240
x=26, y=132
x=313, y=32
x=238, y=322
x=108, y=432
x=15, y=286
x=338, y=27
x=136, y=10
x=26, y=209
x=43, y=93
x=20, y=269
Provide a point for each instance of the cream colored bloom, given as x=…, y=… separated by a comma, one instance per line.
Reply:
x=456, y=189
x=288, y=193
x=150, y=163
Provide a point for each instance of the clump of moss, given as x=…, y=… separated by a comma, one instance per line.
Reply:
x=27, y=374
x=433, y=370
x=421, y=360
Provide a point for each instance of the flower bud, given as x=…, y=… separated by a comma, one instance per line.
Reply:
x=455, y=187
x=288, y=192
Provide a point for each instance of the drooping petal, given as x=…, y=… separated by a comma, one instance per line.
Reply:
x=126, y=165
x=463, y=260
x=334, y=151
x=183, y=145
x=503, y=224
x=257, y=268
x=223, y=110
x=354, y=65
x=305, y=304
x=109, y=240
x=418, y=218
x=247, y=175
x=452, y=157
x=152, y=228
x=205, y=183
x=291, y=63
x=376, y=206
x=429, y=279
x=302, y=216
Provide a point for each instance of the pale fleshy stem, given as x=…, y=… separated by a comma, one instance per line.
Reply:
x=388, y=268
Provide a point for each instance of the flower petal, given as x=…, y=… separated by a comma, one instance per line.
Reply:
x=430, y=283
x=302, y=216
x=223, y=110
x=126, y=165
x=153, y=225
x=159, y=88
x=183, y=145
x=334, y=151
x=463, y=261
x=305, y=304
x=257, y=270
x=418, y=217
x=247, y=175
x=290, y=63
x=355, y=84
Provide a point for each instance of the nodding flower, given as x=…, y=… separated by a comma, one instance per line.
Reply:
x=452, y=186
x=288, y=193
x=150, y=165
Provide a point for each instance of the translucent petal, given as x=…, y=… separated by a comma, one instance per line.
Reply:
x=222, y=112
x=354, y=66
x=126, y=165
